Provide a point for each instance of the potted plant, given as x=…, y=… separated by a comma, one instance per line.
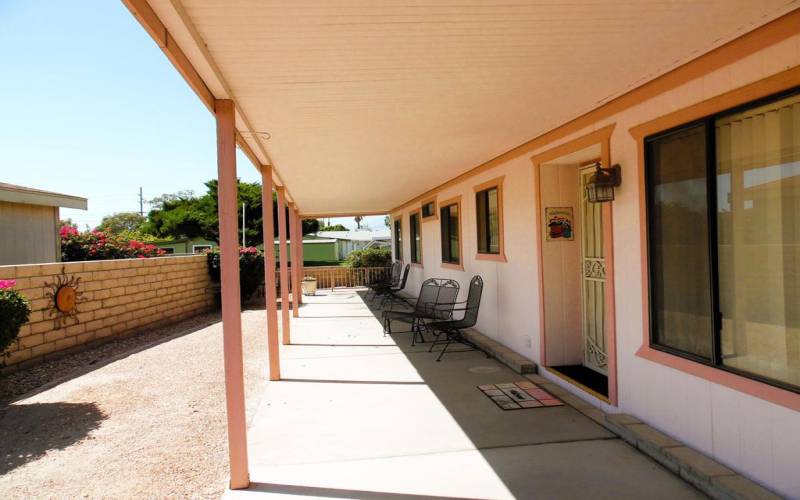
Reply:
x=14, y=312
x=309, y=285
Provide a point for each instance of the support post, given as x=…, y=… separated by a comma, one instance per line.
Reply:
x=269, y=274
x=284, y=258
x=300, y=260
x=295, y=267
x=231, y=305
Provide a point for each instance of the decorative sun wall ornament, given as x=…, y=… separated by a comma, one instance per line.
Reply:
x=66, y=295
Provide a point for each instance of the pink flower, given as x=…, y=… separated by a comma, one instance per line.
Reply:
x=7, y=284
x=67, y=231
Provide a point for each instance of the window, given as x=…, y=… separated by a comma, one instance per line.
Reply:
x=200, y=248
x=723, y=199
x=429, y=209
x=451, y=233
x=489, y=217
x=416, y=238
x=398, y=240
x=168, y=250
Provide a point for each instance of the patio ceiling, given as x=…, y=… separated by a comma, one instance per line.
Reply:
x=361, y=106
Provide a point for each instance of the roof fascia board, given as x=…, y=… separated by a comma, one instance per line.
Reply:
x=43, y=199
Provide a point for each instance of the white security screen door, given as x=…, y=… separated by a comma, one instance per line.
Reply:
x=593, y=290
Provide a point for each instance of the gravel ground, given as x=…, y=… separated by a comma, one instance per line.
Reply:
x=148, y=424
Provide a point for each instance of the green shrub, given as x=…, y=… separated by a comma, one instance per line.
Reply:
x=371, y=257
x=14, y=312
x=251, y=269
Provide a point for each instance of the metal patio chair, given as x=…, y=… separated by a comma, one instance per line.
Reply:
x=432, y=304
x=388, y=281
x=391, y=293
x=453, y=329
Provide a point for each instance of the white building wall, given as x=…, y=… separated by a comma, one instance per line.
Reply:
x=758, y=438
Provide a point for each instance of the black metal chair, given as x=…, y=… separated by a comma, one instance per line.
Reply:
x=391, y=293
x=387, y=281
x=454, y=329
x=431, y=304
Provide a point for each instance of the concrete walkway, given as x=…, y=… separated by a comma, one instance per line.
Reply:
x=360, y=415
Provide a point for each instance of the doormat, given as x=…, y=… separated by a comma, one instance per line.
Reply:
x=519, y=395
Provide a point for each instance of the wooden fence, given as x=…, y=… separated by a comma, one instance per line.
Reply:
x=339, y=276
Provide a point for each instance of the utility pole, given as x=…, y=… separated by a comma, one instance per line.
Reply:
x=243, y=225
x=141, y=202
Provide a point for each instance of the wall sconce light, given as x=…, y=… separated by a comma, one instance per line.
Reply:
x=600, y=187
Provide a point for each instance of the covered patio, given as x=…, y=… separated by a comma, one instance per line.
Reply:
x=361, y=415
x=447, y=112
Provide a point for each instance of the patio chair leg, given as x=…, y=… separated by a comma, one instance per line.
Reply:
x=387, y=326
x=445, y=348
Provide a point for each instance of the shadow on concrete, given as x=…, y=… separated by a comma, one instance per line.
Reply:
x=315, y=492
x=363, y=382
x=544, y=452
x=29, y=431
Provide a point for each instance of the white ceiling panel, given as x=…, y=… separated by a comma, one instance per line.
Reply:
x=370, y=103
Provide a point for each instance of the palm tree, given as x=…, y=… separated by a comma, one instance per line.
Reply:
x=358, y=221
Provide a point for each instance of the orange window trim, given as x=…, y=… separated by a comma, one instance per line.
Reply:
x=774, y=84
x=418, y=213
x=457, y=202
x=398, y=218
x=435, y=214
x=497, y=182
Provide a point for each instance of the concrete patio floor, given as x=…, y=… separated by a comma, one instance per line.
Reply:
x=360, y=415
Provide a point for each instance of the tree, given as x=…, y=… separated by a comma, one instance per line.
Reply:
x=130, y=222
x=336, y=227
x=310, y=226
x=185, y=215
x=387, y=221
x=67, y=223
x=358, y=219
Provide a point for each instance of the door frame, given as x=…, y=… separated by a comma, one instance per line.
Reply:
x=600, y=137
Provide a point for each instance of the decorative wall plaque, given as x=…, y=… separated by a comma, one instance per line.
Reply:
x=558, y=224
x=66, y=295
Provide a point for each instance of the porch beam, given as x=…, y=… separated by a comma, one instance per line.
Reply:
x=295, y=269
x=143, y=13
x=284, y=257
x=231, y=305
x=270, y=293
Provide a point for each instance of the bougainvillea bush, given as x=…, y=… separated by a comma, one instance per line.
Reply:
x=14, y=312
x=97, y=245
x=251, y=269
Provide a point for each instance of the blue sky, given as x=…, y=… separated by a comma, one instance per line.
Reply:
x=93, y=108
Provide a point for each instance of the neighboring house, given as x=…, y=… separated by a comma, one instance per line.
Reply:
x=29, y=223
x=348, y=241
x=315, y=250
x=185, y=246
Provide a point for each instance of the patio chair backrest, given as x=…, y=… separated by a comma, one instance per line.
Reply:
x=473, y=302
x=436, y=291
x=403, y=280
x=397, y=266
x=448, y=295
x=428, y=293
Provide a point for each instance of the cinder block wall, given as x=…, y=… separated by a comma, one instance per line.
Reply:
x=118, y=298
